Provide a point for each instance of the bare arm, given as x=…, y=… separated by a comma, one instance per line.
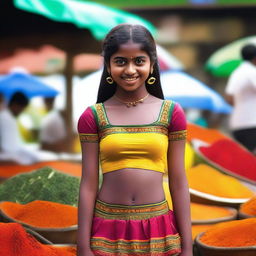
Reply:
x=180, y=194
x=88, y=191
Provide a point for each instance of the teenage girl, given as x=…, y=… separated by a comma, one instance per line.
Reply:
x=134, y=136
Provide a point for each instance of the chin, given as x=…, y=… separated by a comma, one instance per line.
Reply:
x=130, y=89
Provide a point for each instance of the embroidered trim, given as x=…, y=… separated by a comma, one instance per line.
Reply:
x=86, y=137
x=101, y=116
x=122, y=212
x=145, y=129
x=164, y=116
x=179, y=135
x=160, y=246
x=160, y=126
x=170, y=112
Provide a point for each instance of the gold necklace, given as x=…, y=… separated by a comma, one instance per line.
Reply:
x=131, y=103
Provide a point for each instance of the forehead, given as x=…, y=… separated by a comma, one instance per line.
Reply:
x=129, y=50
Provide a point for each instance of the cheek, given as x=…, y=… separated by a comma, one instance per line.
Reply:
x=116, y=71
x=147, y=71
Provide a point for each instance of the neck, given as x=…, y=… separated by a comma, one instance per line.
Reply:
x=130, y=103
x=131, y=95
x=253, y=61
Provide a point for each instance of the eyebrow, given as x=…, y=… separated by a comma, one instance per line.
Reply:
x=119, y=57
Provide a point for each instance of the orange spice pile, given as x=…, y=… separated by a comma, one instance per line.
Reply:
x=205, y=134
x=249, y=207
x=207, y=179
x=203, y=212
x=236, y=233
x=42, y=213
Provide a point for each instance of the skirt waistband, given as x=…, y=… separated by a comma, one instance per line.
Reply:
x=130, y=212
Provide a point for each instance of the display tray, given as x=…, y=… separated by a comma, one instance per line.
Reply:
x=205, y=198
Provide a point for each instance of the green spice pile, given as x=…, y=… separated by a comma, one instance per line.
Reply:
x=43, y=184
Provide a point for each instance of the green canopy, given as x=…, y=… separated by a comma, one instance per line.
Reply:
x=222, y=62
x=99, y=19
x=173, y=3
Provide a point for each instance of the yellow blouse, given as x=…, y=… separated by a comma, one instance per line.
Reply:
x=133, y=146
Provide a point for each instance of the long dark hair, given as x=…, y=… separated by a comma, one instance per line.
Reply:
x=119, y=35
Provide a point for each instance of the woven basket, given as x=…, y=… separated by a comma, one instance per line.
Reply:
x=206, y=250
x=65, y=235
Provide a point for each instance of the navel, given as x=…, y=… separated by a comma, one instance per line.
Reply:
x=133, y=200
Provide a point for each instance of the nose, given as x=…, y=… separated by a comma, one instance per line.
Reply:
x=130, y=69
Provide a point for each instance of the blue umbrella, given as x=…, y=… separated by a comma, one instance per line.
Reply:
x=192, y=93
x=25, y=83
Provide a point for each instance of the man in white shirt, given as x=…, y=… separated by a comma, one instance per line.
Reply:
x=12, y=147
x=241, y=93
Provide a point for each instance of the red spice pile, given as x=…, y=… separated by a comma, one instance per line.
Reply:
x=231, y=156
x=14, y=241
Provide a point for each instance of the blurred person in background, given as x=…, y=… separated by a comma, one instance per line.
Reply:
x=241, y=93
x=1, y=101
x=53, y=134
x=12, y=146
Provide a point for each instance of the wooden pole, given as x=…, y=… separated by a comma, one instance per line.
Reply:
x=68, y=73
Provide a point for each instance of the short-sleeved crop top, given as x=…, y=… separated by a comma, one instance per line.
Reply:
x=133, y=146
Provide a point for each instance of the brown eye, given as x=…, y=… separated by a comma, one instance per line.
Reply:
x=120, y=62
x=139, y=61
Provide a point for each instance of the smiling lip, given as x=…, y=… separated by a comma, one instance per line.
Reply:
x=129, y=78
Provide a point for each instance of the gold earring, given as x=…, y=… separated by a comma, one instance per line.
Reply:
x=151, y=80
x=109, y=80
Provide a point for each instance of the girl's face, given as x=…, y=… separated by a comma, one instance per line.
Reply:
x=130, y=66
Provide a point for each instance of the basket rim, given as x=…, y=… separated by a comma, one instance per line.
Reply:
x=57, y=229
x=63, y=245
x=245, y=215
x=221, y=248
x=196, y=143
x=38, y=236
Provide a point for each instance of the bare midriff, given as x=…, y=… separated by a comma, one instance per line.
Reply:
x=132, y=187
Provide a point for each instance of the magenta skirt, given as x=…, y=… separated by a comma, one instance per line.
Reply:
x=140, y=230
